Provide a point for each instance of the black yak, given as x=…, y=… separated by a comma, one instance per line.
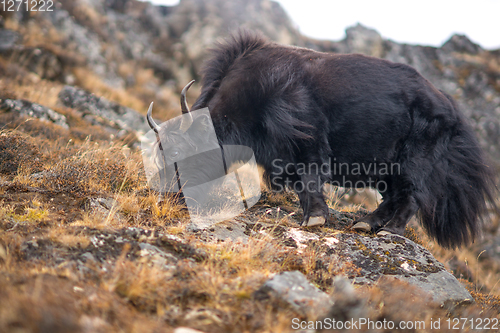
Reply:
x=370, y=121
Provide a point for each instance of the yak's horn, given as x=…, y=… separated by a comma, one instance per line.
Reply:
x=184, y=106
x=154, y=126
x=187, y=121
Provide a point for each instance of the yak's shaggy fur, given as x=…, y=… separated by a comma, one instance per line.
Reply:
x=297, y=106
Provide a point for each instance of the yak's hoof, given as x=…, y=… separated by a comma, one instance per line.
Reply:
x=314, y=221
x=384, y=233
x=362, y=226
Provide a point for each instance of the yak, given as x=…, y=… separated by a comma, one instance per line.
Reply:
x=313, y=118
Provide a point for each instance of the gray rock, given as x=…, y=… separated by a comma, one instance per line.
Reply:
x=462, y=44
x=402, y=259
x=348, y=304
x=88, y=256
x=105, y=208
x=116, y=118
x=85, y=42
x=443, y=287
x=360, y=39
x=29, y=109
x=294, y=289
x=43, y=174
x=8, y=40
x=106, y=203
x=228, y=230
x=158, y=257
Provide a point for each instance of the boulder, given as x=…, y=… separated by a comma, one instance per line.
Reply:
x=8, y=40
x=294, y=289
x=115, y=118
x=396, y=257
x=28, y=109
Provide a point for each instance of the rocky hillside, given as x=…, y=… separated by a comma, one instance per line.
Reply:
x=86, y=246
x=152, y=51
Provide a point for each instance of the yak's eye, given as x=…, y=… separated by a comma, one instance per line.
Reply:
x=174, y=154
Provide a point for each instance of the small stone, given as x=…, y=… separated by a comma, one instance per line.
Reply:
x=294, y=289
x=88, y=256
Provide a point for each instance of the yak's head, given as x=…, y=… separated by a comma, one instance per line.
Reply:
x=181, y=137
x=190, y=159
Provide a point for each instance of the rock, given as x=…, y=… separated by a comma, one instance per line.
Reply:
x=43, y=174
x=43, y=62
x=402, y=259
x=93, y=324
x=180, y=247
x=158, y=257
x=105, y=208
x=462, y=44
x=83, y=41
x=202, y=318
x=228, y=230
x=8, y=40
x=347, y=303
x=200, y=23
x=443, y=287
x=360, y=39
x=294, y=289
x=29, y=109
x=106, y=204
x=88, y=256
x=96, y=110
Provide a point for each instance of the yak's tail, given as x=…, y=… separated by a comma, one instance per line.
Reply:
x=455, y=197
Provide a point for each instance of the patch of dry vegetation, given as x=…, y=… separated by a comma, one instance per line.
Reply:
x=19, y=152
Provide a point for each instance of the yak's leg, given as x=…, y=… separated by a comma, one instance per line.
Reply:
x=405, y=210
x=393, y=213
x=310, y=191
x=380, y=216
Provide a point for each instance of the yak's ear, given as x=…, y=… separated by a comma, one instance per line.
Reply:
x=201, y=127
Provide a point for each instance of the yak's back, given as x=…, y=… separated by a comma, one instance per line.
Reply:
x=223, y=56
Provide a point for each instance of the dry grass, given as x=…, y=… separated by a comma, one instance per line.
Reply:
x=46, y=232
x=36, y=32
x=37, y=91
x=93, y=83
x=137, y=97
x=19, y=153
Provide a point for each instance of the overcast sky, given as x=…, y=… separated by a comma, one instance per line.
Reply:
x=425, y=22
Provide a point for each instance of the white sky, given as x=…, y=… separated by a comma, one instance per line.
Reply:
x=425, y=22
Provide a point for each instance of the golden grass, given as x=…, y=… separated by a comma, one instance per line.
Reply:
x=42, y=92
x=61, y=236
x=136, y=97
x=93, y=83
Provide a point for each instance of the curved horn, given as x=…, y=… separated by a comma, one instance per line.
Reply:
x=154, y=126
x=184, y=106
x=187, y=121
